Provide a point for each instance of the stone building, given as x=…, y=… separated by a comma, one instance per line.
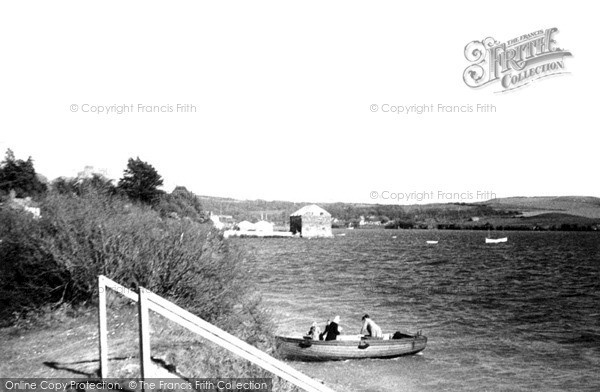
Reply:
x=311, y=221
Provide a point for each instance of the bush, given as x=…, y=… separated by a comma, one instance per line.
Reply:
x=182, y=260
x=181, y=203
x=59, y=258
x=29, y=277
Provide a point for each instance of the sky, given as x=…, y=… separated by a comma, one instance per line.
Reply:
x=284, y=97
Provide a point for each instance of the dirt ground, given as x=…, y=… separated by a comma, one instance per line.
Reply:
x=65, y=346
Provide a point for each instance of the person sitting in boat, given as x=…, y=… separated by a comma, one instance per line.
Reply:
x=370, y=329
x=333, y=329
x=314, y=332
x=324, y=333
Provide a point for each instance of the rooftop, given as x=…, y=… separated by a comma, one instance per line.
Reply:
x=312, y=209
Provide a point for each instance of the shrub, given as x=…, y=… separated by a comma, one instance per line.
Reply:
x=59, y=257
x=186, y=262
x=29, y=277
x=181, y=203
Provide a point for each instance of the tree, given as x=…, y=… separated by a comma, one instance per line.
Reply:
x=20, y=176
x=65, y=186
x=181, y=203
x=81, y=186
x=140, y=182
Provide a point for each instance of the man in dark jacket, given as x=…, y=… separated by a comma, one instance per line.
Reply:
x=333, y=329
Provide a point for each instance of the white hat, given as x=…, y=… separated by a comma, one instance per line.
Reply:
x=336, y=319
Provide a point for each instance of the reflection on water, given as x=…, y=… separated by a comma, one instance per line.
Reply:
x=523, y=315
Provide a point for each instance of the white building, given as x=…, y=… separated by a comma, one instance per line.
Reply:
x=216, y=222
x=246, y=226
x=264, y=226
x=89, y=172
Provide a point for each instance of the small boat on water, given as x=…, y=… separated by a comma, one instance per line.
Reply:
x=352, y=347
x=489, y=240
x=432, y=242
x=496, y=240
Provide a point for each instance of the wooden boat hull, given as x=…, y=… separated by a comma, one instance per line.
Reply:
x=336, y=350
x=495, y=240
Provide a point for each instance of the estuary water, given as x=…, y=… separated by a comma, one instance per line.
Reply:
x=517, y=316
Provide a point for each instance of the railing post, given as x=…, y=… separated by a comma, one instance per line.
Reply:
x=102, y=328
x=144, y=328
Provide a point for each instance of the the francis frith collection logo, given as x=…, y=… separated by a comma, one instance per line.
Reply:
x=516, y=62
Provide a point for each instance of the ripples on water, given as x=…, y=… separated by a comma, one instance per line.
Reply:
x=522, y=315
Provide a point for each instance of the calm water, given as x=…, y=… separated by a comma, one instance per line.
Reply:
x=519, y=316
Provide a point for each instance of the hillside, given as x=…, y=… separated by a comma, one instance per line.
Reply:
x=585, y=206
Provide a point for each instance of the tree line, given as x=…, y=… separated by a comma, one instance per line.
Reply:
x=140, y=182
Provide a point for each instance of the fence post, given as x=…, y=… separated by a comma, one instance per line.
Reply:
x=102, y=328
x=144, y=328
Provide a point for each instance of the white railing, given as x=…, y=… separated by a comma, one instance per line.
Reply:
x=150, y=301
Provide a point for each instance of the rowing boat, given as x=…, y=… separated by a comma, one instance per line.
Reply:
x=496, y=240
x=490, y=240
x=304, y=349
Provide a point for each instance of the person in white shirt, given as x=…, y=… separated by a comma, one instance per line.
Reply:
x=370, y=329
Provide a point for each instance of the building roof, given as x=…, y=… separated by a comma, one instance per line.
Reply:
x=264, y=226
x=245, y=225
x=312, y=209
x=263, y=223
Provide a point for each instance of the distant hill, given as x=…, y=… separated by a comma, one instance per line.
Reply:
x=549, y=218
x=585, y=206
x=252, y=210
x=521, y=212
